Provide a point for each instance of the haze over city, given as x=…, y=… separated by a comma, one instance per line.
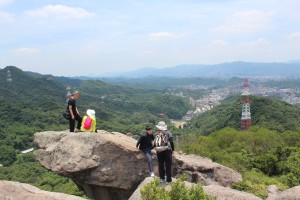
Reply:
x=78, y=38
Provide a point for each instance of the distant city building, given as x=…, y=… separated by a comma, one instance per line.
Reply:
x=9, y=78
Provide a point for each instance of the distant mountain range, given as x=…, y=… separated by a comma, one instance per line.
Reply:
x=224, y=70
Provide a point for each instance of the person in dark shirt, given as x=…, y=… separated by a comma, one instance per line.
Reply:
x=145, y=144
x=74, y=114
x=164, y=158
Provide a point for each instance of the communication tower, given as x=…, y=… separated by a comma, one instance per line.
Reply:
x=246, y=114
x=9, y=79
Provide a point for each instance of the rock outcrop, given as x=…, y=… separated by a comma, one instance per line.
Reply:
x=199, y=169
x=15, y=191
x=289, y=194
x=108, y=166
x=220, y=192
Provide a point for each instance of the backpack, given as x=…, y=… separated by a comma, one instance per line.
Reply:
x=66, y=114
x=87, y=123
x=161, y=141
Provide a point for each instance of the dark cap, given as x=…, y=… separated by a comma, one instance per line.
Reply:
x=148, y=127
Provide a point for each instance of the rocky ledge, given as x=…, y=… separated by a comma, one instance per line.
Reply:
x=15, y=191
x=108, y=166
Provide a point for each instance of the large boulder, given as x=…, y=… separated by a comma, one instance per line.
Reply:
x=108, y=166
x=220, y=192
x=105, y=165
x=15, y=191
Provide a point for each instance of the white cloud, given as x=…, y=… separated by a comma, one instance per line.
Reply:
x=219, y=43
x=163, y=36
x=247, y=22
x=5, y=2
x=294, y=36
x=147, y=53
x=262, y=41
x=60, y=12
x=258, y=42
x=25, y=51
x=6, y=17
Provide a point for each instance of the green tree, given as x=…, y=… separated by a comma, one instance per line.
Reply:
x=7, y=155
x=178, y=191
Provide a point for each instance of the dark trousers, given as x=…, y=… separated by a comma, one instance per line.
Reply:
x=148, y=155
x=165, y=164
x=72, y=123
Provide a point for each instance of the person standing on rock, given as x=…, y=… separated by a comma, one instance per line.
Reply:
x=88, y=123
x=145, y=144
x=74, y=114
x=164, y=155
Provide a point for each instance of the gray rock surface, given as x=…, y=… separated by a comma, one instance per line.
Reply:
x=289, y=194
x=203, y=170
x=272, y=190
x=225, y=193
x=15, y=191
x=108, y=166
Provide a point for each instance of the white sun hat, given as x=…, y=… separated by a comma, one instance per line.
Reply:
x=162, y=126
x=90, y=112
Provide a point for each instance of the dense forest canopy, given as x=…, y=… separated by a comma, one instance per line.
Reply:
x=262, y=156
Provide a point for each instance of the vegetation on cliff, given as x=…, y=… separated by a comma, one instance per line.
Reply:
x=155, y=190
x=262, y=156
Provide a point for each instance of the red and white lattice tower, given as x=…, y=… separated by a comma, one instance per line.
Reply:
x=246, y=114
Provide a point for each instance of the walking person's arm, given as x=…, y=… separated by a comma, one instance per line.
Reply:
x=77, y=112
x=71, y=112
x=171, y=141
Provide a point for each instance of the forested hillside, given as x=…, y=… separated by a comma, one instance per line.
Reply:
x=263, y=157
x=33, y=102
x=164, y=82
x=28, y=105
x=268, y=113
x=125, y=109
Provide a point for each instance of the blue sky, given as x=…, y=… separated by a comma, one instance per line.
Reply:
x=93, y=37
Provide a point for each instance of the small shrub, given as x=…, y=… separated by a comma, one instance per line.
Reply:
x=178, y=191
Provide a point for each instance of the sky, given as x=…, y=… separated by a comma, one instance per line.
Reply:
x=95, y=37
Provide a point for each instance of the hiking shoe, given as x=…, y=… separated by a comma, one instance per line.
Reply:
x=152, y=174
x=162, y=180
